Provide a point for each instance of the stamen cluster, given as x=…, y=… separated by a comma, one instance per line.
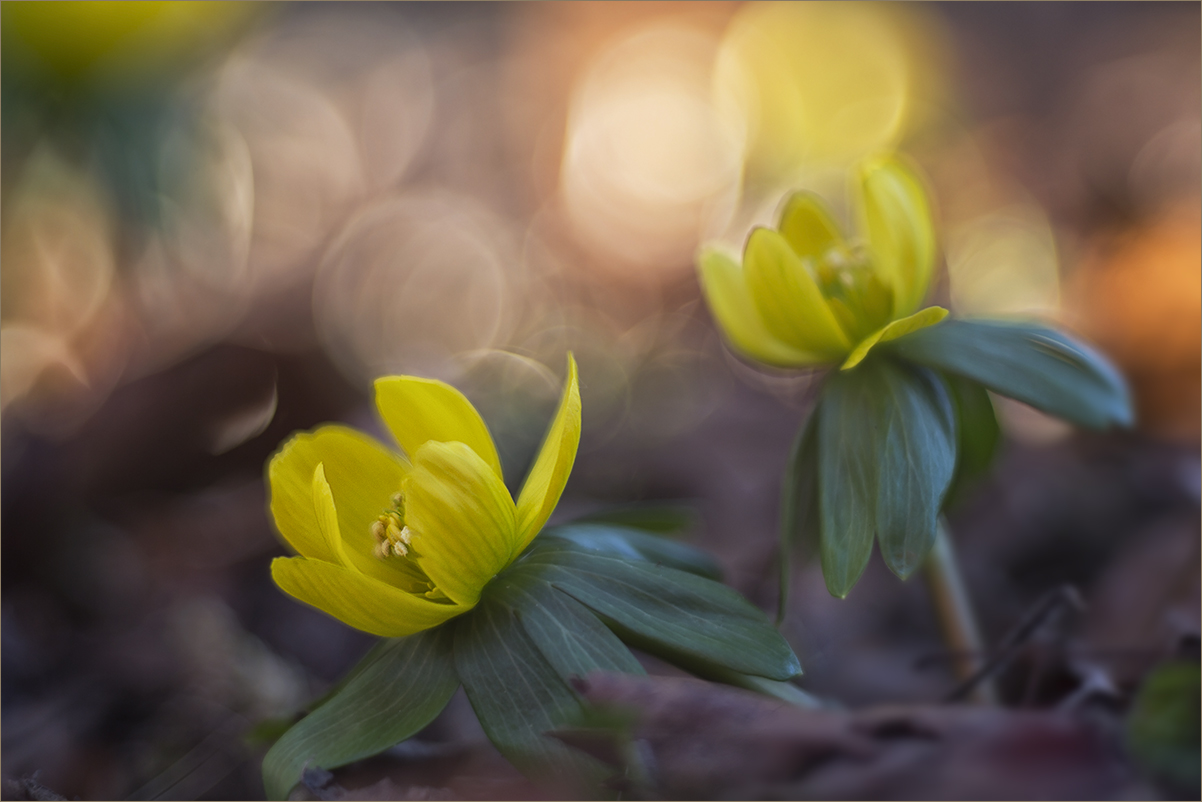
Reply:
x=393, y=538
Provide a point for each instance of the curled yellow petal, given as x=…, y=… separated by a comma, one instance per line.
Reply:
x=788, y=299
x=461, y=517
x=358, y=600
x=730, y=302
x=896, y=219
x=360, y=471
x=808, y=227
x=419, y=410
x=327, y=515
x=898, y=328
x=545, y=482
x=362, y=475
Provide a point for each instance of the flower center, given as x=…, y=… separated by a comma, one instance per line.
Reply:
x=393, y=538
x=848, y=279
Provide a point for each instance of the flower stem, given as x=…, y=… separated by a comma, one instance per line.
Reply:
x=955, y=614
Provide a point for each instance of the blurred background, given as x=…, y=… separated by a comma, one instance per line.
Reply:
x=221, y=221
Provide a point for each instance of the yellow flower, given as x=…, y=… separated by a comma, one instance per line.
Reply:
x=394, y=545
x=804, y=295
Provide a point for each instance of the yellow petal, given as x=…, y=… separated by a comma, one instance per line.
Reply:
x=730, y=302
x=808, y=227
x=898, y=328
x=788, y=299
x=419, y=410
x=461, y=518
x=327, y=515
x=545, y=482
x=358, y=600
x=896, y=219
x=362, y=476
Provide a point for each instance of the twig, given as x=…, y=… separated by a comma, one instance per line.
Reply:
x=1064, y=596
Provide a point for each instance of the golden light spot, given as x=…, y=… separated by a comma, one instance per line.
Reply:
x=818, y=81
x=1004, y=262
x=649, y=166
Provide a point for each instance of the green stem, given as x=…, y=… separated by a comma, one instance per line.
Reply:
x=955, y=614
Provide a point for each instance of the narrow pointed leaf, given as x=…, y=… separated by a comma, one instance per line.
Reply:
x=666, y=612
x=566, y=632
x=1038, y=366
x=631, y=544
x=784, y=691
x=799, y=526
x=916, y=428
x=401, y=691
x=381, y=648
x=887, y=453
x=848, y=475
x=977, y=433
x=518, y=696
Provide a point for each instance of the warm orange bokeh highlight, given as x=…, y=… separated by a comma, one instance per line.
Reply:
x=1141, y=300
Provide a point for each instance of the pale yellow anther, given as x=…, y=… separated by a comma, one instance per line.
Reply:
x=392, y=536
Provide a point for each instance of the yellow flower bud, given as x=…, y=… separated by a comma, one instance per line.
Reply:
x=804, y=295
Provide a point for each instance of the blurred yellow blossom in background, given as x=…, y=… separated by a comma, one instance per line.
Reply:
x=825, y=81
x=804, y=295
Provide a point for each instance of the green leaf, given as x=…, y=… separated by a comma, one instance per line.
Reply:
x=662, y=518
x=784, y=691
x=268, y=731
x=798, y=506
x=1163, y=727
x=404, y=687
x=1038, y=366
x=669, y=613
x=631, y=544
x=848, y=475
x=519, y=696
x=379, y=649
x=917, y=458
x=886, y=456
x=567, y=633
x=892, y=331
x=977, y=434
